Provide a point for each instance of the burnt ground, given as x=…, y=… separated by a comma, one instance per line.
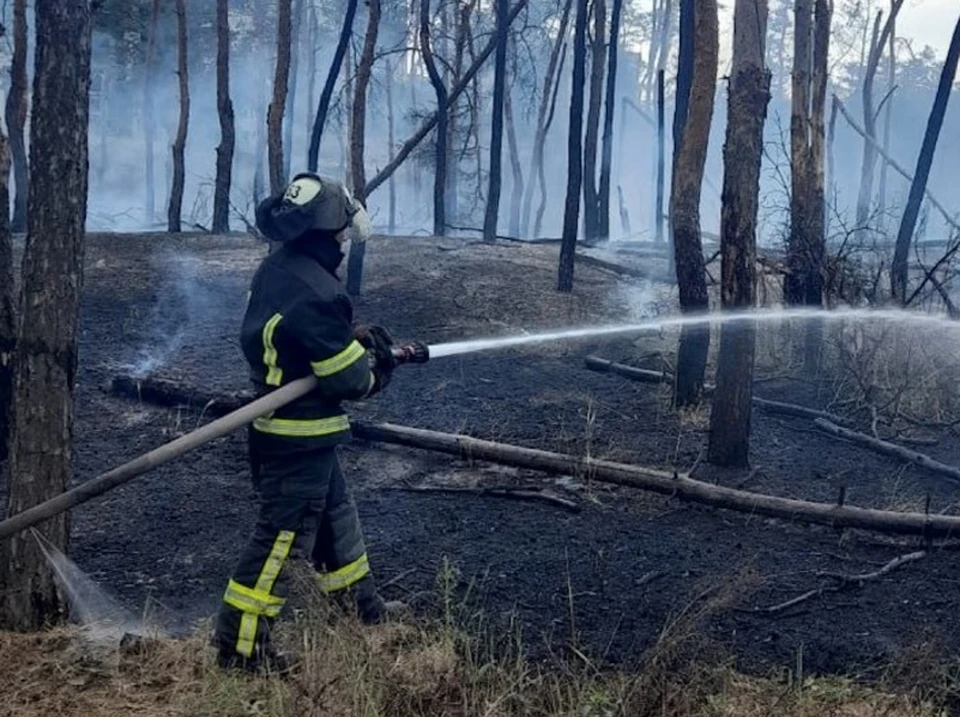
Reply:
x=628, y=560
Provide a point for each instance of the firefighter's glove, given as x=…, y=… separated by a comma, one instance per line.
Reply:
x=378, y=343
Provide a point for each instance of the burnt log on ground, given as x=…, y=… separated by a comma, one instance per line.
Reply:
x=674, y=485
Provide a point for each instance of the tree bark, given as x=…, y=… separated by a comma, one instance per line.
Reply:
x=451, y=204
x=571, y=210
x=442, y=138
x=8, y=301
x=547, y=100
x=312, y=32
x=591, y=198
x=16, y=112
x=290, y=110
x=606, y=161
x=661, y=156
x=42, y=425
x=149, y=119
x=888, y=112
x=221, y=191
x=430, y=122
x=313, y=154
x=749, y=96
x=492, y=214
x=281, y=80
x=541, y=172
x=689, y=162
x=391, y=135
x=869, y=160
x=358, y=129
x=516, y=191
x=908, y=224
x=180, y=143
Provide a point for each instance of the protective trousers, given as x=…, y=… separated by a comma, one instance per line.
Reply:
x=302, y=496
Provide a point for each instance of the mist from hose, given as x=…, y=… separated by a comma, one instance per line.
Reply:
x=458, y=348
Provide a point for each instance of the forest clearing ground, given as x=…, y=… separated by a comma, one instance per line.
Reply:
x=630, y=560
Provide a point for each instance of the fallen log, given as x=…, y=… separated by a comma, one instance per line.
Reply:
x=792, y=409
x=600, y=365
x=671, y=484
x=514, y=493
x=889, y=449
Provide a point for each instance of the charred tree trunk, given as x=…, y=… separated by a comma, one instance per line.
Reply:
x=42, y=423
x=869, y=161
x=453, y=121
x=749, y=96
x=898, y=270
x=661, y=157
x=290, y=110
x=180, y=143
x=541, y=172
x=442, y=138
x=547, y=100
x=16, y=112
x=888, y=113
x=496, y=124
x=8, y=302
x=221, y=191
x=275, y=113
x=323, y=108
x=358, y=129
x=391, y=138
x=149, y=120
x=312, y=32
x=606, y=161
x=689, y=162
x=516, y=191
x=598, y=59
x=571, y=210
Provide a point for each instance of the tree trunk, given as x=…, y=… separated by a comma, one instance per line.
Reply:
x=496, y=124
x=606, y=162
x=312, y=32
x=180, y=143
x=887, y=114
x=869, y=161
x=275, y=113
x=908, y=224
x=749, y=95
x=571, y=210
x=541, y=172
x=8, y=301
x=516, y=191
x=453, y=122
x=358, y=128
x=290, y=110
x=16, y=112
x=313, y=154
x=391, y=138
x=689, y=161
x=591, y=208
x=661, y=157
x=42, y=418
x=149, y=119
x=442, y=138
x=221, y=191
x=547, y=102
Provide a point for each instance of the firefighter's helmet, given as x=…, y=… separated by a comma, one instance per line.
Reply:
x=309, y=203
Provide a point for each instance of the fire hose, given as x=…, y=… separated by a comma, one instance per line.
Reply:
x=414, y=352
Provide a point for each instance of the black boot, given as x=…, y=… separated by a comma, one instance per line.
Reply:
x=264, y=661
x=365, y=602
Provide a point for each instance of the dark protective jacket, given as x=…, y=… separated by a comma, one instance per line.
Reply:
x=299, y=321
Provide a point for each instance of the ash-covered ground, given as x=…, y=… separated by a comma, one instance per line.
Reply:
x=612, y=575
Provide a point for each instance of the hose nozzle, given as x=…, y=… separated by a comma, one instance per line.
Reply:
x=412, y=352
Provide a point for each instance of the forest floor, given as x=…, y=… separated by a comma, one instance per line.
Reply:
x=607, y=581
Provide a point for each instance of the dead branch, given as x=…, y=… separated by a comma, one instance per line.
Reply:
x=844, y=581
x=515, y=493
x=889, y=449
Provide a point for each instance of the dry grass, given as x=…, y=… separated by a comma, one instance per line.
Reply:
x=431, y=668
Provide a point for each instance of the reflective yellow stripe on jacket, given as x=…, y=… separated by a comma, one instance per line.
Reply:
x=302, y=427
x=274, y=372
x=337, y=363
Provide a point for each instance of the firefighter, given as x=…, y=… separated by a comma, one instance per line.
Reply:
x=299, y=321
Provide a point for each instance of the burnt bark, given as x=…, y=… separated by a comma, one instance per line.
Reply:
x=292, y=83
x=606, y=155
x=180, y=143
x=749, y=96
x=281, y=80
x=149, y=119
x=8, y=301
x=571, y=210
x=661, y=156
x=391, y=132
x=888, y=112
x=312, y=31
x=358, y=128
x=541, y=172
x=442, y=137
x=516, y=191
x=221, y=190
x=492, y=213
x=323, y=108
x=16, y=115
x=689, y=161
x=591, y=199
x=908, y=224
x=547, y=103
x=42, y=417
